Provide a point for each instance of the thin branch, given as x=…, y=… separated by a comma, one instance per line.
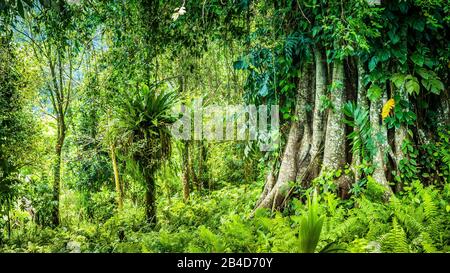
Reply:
x=303, y=14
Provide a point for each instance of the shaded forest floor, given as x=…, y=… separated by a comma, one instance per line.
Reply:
x=417, y=221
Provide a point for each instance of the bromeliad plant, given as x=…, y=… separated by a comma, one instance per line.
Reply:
x=142, y=131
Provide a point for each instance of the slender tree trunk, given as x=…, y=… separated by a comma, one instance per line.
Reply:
x=445, y=107
x=203, y=172
x=318, y=115
x=57, y=171
x=8, y=223
x=200, y=166
x=186, y=170
x=150, y=205
x=334, y=150
x=119, y=191
x=192, y=173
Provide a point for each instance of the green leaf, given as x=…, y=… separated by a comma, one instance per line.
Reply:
x=435, y=86
x=400, y=54
x=373, y=63
x=424, y=73
x=310, y=226
x=241, y=64
x=374, y=92
x=418, y=59
x=412, y=86
x=316, y=30
x=393, y=37
x=398, y=80
x=384, y=55
x=418, y=24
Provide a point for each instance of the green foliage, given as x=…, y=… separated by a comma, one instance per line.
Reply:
x=310, y=226
x=360, y=137
x=142, y=127
x=395, y=240
x=80, y=64
x=374, y=192
x=219, y=223
x=40, y=194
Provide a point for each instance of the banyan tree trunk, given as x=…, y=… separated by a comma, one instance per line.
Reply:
x=401, y=135
x=316, y=142
x=334, y=150
x=276, y=189
x=303, y=151
x=379, y=135
x=318, y=119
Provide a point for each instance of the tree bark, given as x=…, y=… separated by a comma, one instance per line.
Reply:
x=334, y=150
x=445, y=107
x=379, y=135
x=273, y=196
x=186, y=170
x=150, y=205
x=119, y=189
x=57, y=170
x=270, y=181
x=400, y=136
x=318, y=115
x=8, y=223
x=306, y=92
x=318, y=118
x=288, y=170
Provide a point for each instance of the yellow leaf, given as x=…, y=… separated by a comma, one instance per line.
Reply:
x=387, y=107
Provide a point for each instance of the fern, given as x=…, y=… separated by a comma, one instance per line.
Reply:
x=395, y=241
x=412, y=225
x=346, y=227
x=428, y=206
x=376, y=229
x=291, y=44
x=427, y=243
x=214, y=241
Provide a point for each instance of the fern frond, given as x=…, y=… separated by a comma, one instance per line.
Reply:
x=412, y=225
x=395, y=241
x=429, y=206
x=427, y=243
x=376, y=229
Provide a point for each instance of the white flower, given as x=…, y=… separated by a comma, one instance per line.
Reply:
x=178, y=12
x=182, y=11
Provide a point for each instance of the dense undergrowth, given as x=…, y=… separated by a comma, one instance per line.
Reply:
x=416, y=221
